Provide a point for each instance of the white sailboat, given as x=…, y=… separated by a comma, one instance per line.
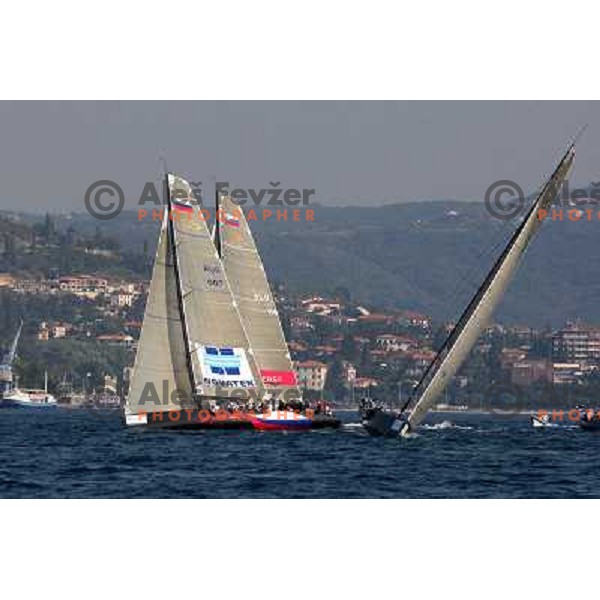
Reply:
x=472, y=322
x=6, y=367
x=192, y=348
x=30, y=398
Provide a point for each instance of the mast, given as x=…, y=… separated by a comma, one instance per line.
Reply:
x=475, y=317
x=10, y=356
x=217, y=224
x=178, y=285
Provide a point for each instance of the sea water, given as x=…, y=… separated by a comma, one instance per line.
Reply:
x=58, y=453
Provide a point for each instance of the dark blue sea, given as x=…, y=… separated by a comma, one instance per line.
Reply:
x=58, y=453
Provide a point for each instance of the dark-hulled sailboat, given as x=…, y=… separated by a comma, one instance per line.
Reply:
x=472, y=322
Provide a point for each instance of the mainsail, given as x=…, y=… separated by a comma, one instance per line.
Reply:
x=219, y=352
x=254, y=300
x=160, y=380
x=476, y=316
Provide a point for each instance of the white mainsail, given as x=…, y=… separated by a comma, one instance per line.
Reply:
x=160, y=380
x=479, y=311
x=220, y=356
x=254, y=301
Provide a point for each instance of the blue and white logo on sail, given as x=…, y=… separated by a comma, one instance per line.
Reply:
x=225, y=366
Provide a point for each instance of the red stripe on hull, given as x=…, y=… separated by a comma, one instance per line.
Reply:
x=280, y=425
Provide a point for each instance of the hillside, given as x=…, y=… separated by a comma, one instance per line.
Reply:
x=425, y=256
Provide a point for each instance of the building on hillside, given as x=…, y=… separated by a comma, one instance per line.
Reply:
x=376, y=319
x=575, y=343
x=320, y=306
x=83, y=285
x=116, y=339
x=52, y=330
x=311, y=374
x=364, y=383
x=566, y=373
x=325, y=351
x=110, y=384
x=59, y=330
x=6, y=280
x=528, y=371
x=415, y=319
x=390, y=342
x=122, y=299
x=300, y=324
x=31, y=286
x=43, y=333
x=511, y=356
x=348, y=372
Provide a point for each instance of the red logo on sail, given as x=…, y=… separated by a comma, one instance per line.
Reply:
x=278, y=377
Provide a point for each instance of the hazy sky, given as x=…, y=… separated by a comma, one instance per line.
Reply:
x=350, y=152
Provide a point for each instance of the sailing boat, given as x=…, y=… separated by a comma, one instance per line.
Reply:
x=6, y=368
x=195, y=366
x=192, y=349
x=260, y=319
x=474, y=319
x=30, y=398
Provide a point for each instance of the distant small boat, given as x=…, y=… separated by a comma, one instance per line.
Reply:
x=29, y=398
x=32, y=398
x=538, y=420
x=589, y=420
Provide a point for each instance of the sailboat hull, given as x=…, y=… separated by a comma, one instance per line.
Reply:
x=203, y=419
x=383, y=424
x=188, y=419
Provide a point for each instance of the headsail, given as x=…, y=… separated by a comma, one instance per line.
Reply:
x=160, y=364
x=220, y=354
x=254, y=300
x=476, y=316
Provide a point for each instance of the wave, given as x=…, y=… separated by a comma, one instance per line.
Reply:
x=445, y=425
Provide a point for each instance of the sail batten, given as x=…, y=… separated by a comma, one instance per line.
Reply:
x=477, y=314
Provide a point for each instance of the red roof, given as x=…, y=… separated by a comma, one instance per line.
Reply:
x=309, y=364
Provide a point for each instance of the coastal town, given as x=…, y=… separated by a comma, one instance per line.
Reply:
x=342, y=350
